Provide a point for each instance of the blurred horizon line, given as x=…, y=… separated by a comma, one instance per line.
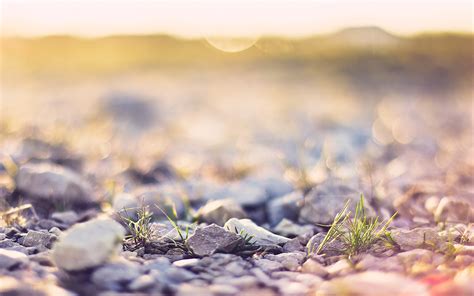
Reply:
x=381, y=29
x=230, y=18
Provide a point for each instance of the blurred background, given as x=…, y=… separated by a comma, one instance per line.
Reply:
x=300, y=88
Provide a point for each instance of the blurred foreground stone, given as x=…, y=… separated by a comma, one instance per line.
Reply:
x=88, y=244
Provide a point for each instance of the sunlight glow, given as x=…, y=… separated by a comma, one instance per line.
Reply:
x=231, y=44
x=230, y=18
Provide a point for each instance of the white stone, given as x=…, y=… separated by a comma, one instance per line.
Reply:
x=88, y=244
x=260, y=235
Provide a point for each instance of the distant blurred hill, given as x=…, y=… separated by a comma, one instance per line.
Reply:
x=366, y=58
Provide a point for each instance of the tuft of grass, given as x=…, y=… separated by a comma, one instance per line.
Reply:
x=357, y=233
x=139, y=227
x=183, y=234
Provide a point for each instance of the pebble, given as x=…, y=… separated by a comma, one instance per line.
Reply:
x=10, y=259
x=210, y=239
x=88, y=244
x=260, y=235
x=56, y=183
x=220, y=211
x=284, y=207
x=324, y=201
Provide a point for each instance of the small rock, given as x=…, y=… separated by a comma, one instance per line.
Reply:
x=454, y=210
x=243, y=282
x=88, y=244
x=295, y=244
x=219, y=211
x=10, y=259
x=211, y=239
x=409, y=258
x=268, y=266
x=68, y=217
x=56, y=231
x=314, y=267
x=130, y=112
x=331, y=248
x=372, y=283
x=114, y=276
x=161, y=263
x=260, y=235
x=124, y=203
x=464, y=250
x=341, y=267
x=141, y=283
x=370, y=262
x=223, y=290
x=25, y=287
x=53, y=182
x=290, y=261
x=186, y=262
x=193, y=290
x=422, y=237
x=324, y=201
x=284, y=207
x=289, y=288
x=289, y=228
x=173, y=275
x=37, y=238
x=246, y=193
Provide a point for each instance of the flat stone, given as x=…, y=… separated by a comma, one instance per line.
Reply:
x=289, y=228
x=332, y=248
x=10, y=259
x=243, y=282
x=284, y=207
x=422, y=237
x=219, y=211
x=211, y=239
x=289, y=288
x=67, y=217
x=260, y=235
x=37, y=238
x=223, y=290
x=246, y=193
x=451, y=209
x=324, y=201
x=341, y=267
x=53, y=182
x=193, y=290
x=141, y=283
x=28, y=287
x=464, y=250
x=186, y=262
x=113, y=276
x=88, y=244
x=290, y=261
x=370, y=262
x=295, y=244
x=314, y=267
x=172, y=275
x=268, y=266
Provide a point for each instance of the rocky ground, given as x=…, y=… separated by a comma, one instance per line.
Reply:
x=83, y=209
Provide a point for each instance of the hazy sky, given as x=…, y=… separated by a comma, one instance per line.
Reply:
x=210, y=17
